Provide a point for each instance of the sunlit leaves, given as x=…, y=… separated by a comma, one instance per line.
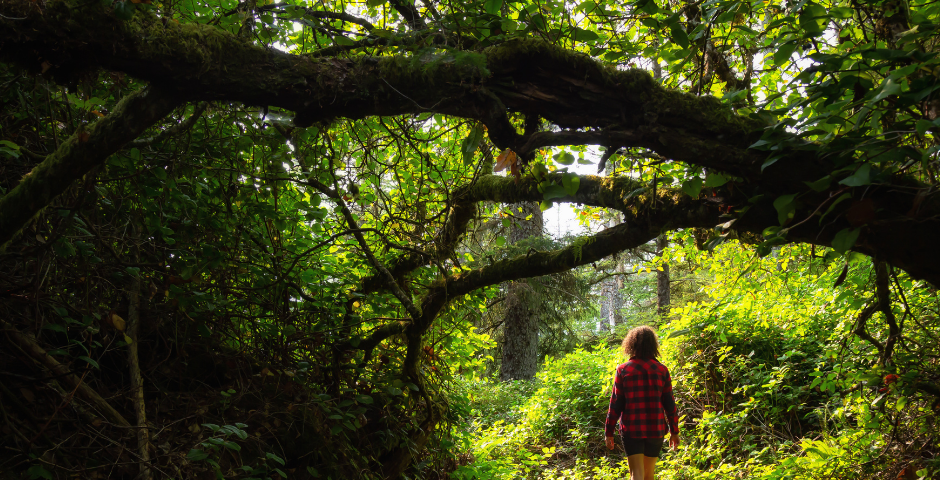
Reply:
x=845, y=239
x=471, y=143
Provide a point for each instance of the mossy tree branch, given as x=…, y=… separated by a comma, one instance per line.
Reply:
x=87, y=148
x=590, y=102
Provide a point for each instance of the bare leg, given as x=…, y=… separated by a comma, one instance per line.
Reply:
x=649, y=467
x=637, y=464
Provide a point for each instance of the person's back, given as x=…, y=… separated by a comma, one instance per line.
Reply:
x=643, y=404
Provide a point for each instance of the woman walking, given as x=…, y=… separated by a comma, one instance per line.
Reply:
x=642, y=401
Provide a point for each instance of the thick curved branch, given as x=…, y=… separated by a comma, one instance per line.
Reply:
x=571, y=90
x=85, y=149
x=590, y=102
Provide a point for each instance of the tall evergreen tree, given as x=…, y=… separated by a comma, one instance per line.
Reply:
x=520, y=345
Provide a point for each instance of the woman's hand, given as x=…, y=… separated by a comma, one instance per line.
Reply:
x=610, y=443
x=674, y=441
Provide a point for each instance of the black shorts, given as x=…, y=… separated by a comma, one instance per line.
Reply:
x=647, y=446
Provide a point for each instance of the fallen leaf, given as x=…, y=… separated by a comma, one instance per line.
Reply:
x=505, y=159
x=96, y=112
x=83, y=137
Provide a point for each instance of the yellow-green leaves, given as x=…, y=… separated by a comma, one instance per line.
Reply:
x=471, y=143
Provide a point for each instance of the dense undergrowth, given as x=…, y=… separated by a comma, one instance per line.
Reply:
x=770, y=379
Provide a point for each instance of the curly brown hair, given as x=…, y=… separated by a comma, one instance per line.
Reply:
x=641, y=342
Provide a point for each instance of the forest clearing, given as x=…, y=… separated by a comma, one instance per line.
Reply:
x=404, y=239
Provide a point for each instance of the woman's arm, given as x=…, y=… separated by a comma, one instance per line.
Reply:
x=669, y=406
x=615, y=409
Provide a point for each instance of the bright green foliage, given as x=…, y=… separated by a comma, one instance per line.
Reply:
x=229, y=230
x=770, y=380
x=564, y=405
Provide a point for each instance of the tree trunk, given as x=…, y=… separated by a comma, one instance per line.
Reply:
x=520, y=326
x=602, y=324
x=662, y=279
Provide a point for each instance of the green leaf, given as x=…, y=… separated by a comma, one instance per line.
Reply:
x=90, y=362
x=693, y=186
x=814, y=19
x=553, y=191
x=678, y=34
x=364, y=399
x=500, y=241
x=922, y=126
x=860, y=178
x=493, y=6
x=888, y=87
x=571, y=182
x=821, y=184
x=582, y=35
x=196, y=455
x=786, y=207
x=564, y=158
x=231, y=445
x=770, y=161
x=845, y=239
x=471, y=143
x=715, y=180
x=38, y=471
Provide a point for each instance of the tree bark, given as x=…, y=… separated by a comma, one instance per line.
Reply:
x=588, y=102
x=520, y=325
x=137, y=381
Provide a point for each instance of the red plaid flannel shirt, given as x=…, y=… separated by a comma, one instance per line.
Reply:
x=642, y=400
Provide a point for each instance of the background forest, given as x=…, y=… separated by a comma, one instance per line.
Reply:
x=304, y=239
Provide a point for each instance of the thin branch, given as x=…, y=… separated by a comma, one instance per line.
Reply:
x=174, y=130
x=882, y=281
x=860, y=327
x=29, y=345
x=309, y=12
x=393, y=286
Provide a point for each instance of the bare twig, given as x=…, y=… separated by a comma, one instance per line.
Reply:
x=29, y=345
x=137, y=382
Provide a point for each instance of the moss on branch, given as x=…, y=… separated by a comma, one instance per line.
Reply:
x=82, y=151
